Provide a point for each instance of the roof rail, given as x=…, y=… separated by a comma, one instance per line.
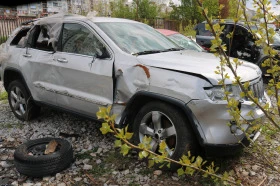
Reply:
x=29, y=21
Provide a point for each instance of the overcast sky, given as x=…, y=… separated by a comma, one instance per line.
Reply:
x=275, y=8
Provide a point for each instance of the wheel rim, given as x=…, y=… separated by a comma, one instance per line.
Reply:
x=18, y=101
x=39, y=149
x=161, y=128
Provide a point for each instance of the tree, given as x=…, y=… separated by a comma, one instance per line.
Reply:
x=225, y=10
x=212, y=6
x=120, y=9
x=190, y=11
x=233, y=6
x=145, y=9
x=175, y=13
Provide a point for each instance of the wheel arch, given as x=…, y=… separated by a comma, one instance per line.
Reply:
x=11, y=74
x=139, y=99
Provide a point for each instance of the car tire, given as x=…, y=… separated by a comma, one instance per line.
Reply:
x=38, y=164
x=21, y=101
x=179, y=135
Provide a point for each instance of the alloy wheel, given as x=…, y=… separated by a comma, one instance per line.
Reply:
x=161, y=128
x=18, y=101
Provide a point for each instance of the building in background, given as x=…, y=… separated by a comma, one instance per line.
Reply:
x=56, y=6
x=29, y=10
x=100, y=7
x=42, y=9
x=7, y=12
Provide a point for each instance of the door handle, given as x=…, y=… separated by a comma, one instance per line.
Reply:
x=62, y=60
x=27, y=55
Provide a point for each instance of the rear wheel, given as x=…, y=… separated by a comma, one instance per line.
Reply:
x=163, y=122
x=20, y=101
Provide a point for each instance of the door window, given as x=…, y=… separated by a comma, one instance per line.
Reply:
x=80, y=40
x=39, y=38
x=242, y=44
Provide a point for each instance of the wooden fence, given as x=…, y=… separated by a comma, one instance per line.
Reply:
x=7, y=25
x=165, y=23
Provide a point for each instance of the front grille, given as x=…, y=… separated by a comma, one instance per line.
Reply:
x=258, y=89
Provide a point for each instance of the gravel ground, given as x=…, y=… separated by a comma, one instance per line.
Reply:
x=98, y=163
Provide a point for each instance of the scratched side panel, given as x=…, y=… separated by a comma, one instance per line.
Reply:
x=40, y=75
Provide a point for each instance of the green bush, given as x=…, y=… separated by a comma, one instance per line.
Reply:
x=3, y=39
x=189, y=29
x=3, y=95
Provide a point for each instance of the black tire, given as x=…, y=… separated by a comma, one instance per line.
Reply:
x=19, y=97
x=185, y=139
x=43, y=165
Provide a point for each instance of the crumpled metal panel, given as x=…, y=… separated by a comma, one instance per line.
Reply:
x=129, y=81
x=213, y=119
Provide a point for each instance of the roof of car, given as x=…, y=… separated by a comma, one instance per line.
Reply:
x=167, y=32
x=58, y=17
x=230, y=21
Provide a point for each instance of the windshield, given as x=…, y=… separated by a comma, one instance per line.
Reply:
x=185, y=42
x=137, y=38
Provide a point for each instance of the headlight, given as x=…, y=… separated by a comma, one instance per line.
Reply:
x=218, y=92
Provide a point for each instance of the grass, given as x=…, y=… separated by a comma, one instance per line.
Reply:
x=99, y=169
x=146, y=171
x=11, y=125
x=86, y=155
x=3, y=96
x=3, y=39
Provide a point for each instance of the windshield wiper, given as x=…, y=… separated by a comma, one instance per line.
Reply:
x=173, y=49
x=157, y=51
x=147, y=52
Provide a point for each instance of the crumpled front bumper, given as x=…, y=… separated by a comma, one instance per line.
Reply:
x=212, y=123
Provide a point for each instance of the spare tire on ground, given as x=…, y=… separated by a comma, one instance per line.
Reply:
x=30, y=159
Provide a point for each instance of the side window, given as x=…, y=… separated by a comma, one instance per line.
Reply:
x=80, y=40
x=20, y=36
x=200, y=30
x=39, y=38
x=42, y=42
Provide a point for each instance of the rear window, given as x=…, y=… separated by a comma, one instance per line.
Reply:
x=200, y=30
x=20, y=35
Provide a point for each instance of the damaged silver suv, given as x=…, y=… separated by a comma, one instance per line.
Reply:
x=79, y=64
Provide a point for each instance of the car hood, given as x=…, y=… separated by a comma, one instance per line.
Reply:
x=198, y=63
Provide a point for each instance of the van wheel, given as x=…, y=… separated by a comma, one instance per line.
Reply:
x=163, y=122
x=21, y=102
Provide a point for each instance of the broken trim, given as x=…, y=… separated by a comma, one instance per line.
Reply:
x=189, y=73
x=65, y=93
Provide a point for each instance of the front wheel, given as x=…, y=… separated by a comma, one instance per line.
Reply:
x=163, y=122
